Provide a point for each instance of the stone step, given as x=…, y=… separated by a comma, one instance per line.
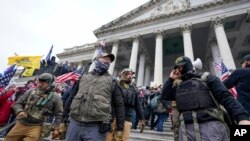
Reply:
x=153, y=135
x=148, y=134
x=139, y=138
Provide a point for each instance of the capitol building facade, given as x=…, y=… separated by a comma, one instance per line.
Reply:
x=149, y=38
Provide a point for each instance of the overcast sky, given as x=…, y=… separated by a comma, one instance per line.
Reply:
x=30, y=27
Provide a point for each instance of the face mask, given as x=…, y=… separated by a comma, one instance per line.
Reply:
x=101, y=67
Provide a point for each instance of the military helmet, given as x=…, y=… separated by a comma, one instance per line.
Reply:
x=46, y=77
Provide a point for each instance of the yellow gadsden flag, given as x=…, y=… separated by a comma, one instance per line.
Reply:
x=25, y=61
x=28, y=72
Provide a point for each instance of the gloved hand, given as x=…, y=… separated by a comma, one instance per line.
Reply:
x=118, y=136
x=141, y=125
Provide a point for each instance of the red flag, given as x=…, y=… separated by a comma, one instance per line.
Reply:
x=68, y=76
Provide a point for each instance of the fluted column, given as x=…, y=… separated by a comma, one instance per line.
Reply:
x=134, y=53
x=141, y=70
x=114, y=51
x=158, y=68
x=147, y=75
x=222, y=41
x=188, y=48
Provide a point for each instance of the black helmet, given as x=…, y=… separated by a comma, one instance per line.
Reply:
x=46, y=77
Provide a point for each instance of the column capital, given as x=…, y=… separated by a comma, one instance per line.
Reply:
x=136, y=38
x=218, y=21
x=186, y=28
x=159, y=34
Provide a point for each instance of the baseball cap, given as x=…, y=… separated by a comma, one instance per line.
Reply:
x=181, y=61
x=111, y=56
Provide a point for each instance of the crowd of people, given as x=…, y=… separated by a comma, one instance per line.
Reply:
x=101, y=107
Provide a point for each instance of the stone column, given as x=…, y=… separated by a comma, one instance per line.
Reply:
x=212, y=67
x=222, y=41
x=216, y=56
x=158, y=69
x=188, y=48
x=114, y=51
x=134, y=53
x=140, y=75
x=215, y=52
x=92, y=66
x=147, y=75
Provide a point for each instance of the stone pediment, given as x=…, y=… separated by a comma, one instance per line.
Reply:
x=152, y=8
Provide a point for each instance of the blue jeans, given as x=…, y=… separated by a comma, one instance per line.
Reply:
x=161, y=119
x=84, y=131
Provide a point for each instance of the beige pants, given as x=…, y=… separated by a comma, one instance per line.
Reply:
x=110, y=136
x=26, y=133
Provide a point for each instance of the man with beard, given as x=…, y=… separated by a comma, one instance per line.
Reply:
x=197, y=99
x=33, y=108
x=131, y=102
x=91, y=103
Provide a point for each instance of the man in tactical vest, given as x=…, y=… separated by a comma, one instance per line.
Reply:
x=198, y=97
x=91, y=103
x=131, y=101
x=34, y=108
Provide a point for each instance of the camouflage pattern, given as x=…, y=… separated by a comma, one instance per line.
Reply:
x=38, y=113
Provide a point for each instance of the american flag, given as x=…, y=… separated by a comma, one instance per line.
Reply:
x=68, y=76
x=224, y=75
x=8, y=74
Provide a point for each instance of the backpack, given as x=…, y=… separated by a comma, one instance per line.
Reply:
x=155, y=101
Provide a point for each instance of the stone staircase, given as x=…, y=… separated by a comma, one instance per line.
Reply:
x=148, y=134
x=153, y=135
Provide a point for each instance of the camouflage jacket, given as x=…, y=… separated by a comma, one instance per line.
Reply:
x=38, y=113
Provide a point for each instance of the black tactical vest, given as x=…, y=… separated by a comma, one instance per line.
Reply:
x=193, y=95
x=129, y=95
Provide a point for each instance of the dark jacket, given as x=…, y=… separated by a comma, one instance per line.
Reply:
x=220, y=92
x=137, y=107
x=117, y=104
x=241, y=79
